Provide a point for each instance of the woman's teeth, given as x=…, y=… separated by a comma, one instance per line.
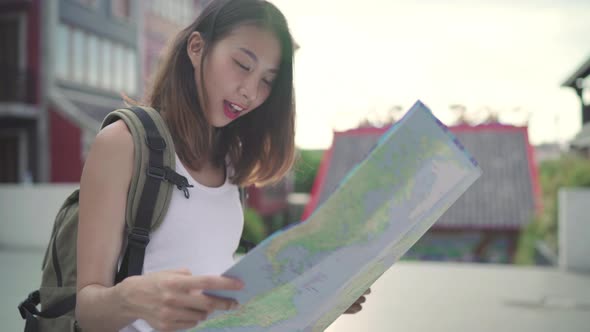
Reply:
x=235, y=108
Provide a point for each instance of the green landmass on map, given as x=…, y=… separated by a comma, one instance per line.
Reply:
x=336, y=225
x=263, y=310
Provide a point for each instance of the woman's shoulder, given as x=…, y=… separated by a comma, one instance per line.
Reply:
x=115, y=135
x=113, y=144
x=108, y=167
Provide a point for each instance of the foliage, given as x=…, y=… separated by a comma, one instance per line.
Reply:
x=568, y=171
x=254, y=229
x=306, y=168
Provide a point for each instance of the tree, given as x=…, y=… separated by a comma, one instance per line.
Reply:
x=381, y=119
x=569, y=171
x=306, y=168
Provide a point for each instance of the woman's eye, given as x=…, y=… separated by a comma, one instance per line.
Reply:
x=246, y=68
x=267, y=82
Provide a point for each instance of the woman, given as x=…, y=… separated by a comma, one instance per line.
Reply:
x=225, y=91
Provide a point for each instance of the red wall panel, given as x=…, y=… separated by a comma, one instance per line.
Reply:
x=66, y=151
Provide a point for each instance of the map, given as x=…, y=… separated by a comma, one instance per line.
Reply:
x=304, y=277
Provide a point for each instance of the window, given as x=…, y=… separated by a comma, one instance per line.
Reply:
x=92, y=60
x=89, y=3
x=118, y=68
x=131, y=79
x=106, y=69
x=62, y=52
x=187, y=11
x=78, y=55
x=88, y=59
x=179, y=11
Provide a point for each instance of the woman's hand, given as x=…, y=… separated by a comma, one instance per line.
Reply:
x=174, y=300
x=357, y=305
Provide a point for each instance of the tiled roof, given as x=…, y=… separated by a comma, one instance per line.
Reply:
x=503, y=198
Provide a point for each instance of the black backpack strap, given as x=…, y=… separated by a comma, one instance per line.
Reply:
x=28, y=310
x=139, y=235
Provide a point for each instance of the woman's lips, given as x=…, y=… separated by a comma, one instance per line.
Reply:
x=228, y=111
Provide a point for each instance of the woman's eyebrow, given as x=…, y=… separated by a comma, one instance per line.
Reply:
x=249, y=53
x=255, y=58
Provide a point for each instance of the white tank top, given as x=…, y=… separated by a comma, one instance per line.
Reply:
x=200, y=233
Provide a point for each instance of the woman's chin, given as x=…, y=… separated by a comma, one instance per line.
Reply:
x=220, y=124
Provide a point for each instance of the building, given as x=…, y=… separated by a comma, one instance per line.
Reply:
x=580, y=82
x=485, y=223
x=161, y=20
x=65, y=64
x=71, y=60
x=19, y=89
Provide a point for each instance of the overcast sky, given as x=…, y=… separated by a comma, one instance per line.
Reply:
x=364, y=56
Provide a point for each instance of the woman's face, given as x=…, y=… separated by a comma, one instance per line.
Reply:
x=238, y=72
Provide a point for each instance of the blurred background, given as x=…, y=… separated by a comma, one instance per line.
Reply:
x=511, y=80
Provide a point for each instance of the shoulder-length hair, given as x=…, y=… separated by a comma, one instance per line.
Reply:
x=260, y=145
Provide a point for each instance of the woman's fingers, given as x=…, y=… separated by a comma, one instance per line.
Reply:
x=188, y=292
x=188, y=282
x=357, y=305
x=172, y=316
x=182, y=316
x=354, y=309
x=198, y=301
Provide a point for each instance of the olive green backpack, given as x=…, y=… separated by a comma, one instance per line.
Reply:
x=152, y=184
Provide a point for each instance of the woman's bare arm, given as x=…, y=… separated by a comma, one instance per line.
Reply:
x=167, y=300
x=103, y=196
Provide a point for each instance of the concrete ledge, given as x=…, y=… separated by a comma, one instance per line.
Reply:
x=574, y=229
x=27, y=213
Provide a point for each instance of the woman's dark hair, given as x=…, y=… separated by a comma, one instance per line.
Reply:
x=260, y=144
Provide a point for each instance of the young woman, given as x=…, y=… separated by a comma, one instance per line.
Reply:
x=225, y=91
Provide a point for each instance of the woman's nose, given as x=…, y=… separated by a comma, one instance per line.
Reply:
x=249, y=90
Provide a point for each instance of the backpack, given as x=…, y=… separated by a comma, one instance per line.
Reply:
x=153, y=181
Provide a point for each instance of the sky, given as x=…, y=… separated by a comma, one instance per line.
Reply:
x=357, y=59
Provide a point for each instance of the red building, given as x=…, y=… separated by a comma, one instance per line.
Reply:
x=20, y=89
x=484, y=224
x=64, y=65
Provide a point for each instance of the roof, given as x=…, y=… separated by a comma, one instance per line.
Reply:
x=504, y=198
x=581, y=72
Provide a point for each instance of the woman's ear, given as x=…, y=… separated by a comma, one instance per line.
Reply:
x=194, y=48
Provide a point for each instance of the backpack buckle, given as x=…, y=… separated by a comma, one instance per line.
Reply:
x=139, y=238
x=167, y=174
x=180, y=181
